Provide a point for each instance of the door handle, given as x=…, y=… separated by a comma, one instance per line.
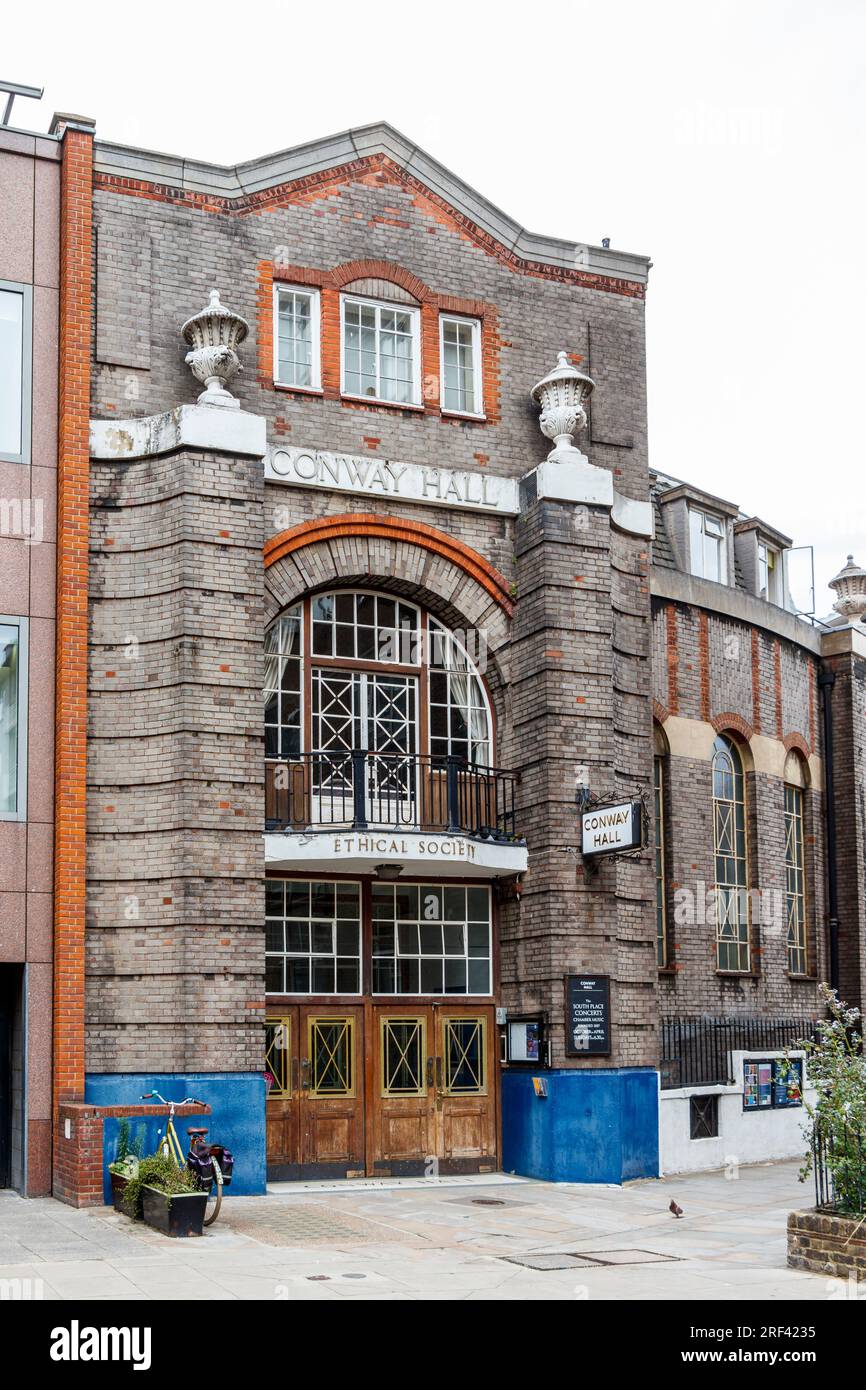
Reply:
x=305, y=1074
x=430, y=1065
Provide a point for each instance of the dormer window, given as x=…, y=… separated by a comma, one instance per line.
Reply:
x=381, y=351
x=707, y=546
x=769, y=573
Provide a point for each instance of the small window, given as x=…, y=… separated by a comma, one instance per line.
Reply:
x=707, y=536
x=461, y=365
x=381, y=351
x=704, y=1117
x=296, y=337
x=769, y=573
x=13, y=718
x=15, y=335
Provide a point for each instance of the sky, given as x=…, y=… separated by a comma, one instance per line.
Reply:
x=726, y=141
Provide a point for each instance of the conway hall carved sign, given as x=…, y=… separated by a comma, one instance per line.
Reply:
x=386, y=478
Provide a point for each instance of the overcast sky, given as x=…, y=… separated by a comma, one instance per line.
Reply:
x=724, y=140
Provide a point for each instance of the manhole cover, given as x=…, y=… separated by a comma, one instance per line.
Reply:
x=487, y=1202
x=546, y=1262
x=625, y=1257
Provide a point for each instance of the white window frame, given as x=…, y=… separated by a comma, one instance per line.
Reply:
x=696, y=562
x=475, y=325
x=391, y=306
x=283, y=287
x=26, y=292
x=771, y=591
x=23, y=626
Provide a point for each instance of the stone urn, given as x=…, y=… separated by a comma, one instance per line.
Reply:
x=850, y=587
x=561, y=395
x=213, y=335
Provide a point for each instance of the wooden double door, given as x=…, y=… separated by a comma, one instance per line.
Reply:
x=399, y=1090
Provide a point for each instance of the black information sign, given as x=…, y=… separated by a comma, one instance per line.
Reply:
x=587, y=1015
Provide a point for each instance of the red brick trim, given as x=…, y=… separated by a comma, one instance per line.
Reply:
x=796, y=741
x=672, y=655
x=756, y=681
x=704, y=658
x=331, y=282
x=777, y=684
x=388, y=528
x=80, y=1156
x=660, y=712
x=378, y=169
x=726, y=721
x=71, y=661
x=812, y=734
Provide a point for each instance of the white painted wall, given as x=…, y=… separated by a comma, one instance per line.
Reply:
x=752, y=1136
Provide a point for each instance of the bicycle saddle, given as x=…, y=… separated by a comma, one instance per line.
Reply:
x=196, y=1133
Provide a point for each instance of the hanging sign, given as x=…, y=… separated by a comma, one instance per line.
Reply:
x=612, y=829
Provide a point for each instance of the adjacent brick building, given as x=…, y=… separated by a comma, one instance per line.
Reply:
x=345, y=918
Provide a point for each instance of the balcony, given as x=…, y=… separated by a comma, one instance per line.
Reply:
x=352, y=811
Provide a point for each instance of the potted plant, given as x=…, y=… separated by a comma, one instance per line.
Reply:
x=170, y=1198
x=125, y=1164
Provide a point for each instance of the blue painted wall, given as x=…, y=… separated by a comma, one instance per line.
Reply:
x=593, y=1126
x=237, y=1100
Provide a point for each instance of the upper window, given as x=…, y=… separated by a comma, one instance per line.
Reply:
x=381, y=351
x=461, y=365
x=769, y=573
x=659, y=755
x=13, y=706
x=15, y=336
x=296, y=337
x=795, y=868
x=708, y=550
x=729, y=846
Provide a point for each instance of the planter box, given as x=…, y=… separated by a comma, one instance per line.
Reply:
x=827, y=1243
x=118, y=1187
x=182, y=1214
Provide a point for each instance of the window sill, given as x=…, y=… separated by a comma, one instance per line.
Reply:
x=738, y=974
x=466, y=415
x=374, y=403
x=298, y=390
x=802, y=979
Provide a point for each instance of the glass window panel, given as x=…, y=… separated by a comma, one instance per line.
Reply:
x=455, y=976
x=478, y=904
x=297, y=975
x=407, y=939
x=274, y=932
x=348, y=942
x=323, y=975
x=274, y=975
x=275, y=897
x=297, y=898
x=323, y=607
x=383, y=901
x=298, y=937
x=406, y=901
x=431, y=976
x=384, y=976
x=478, y=939
x=383, y=939
x=323, y=900
x=348, y=900
x=454, y=939
x=322, y=937
x=323, y=639
x=407, y=976
x=344, y=608
x=11, y=371
x=348, y=977
x=479, y=977
x=431, y=939
x=272, y=743
x=455, y=904
x=345, y=640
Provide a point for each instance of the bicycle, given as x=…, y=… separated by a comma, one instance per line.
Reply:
x=203, y=1159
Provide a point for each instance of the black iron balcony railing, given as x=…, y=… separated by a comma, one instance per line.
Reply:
x=401, y=791
x=696, y=1050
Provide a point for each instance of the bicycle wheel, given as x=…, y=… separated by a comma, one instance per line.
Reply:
x=215, y=1196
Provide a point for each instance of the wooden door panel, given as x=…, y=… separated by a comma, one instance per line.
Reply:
x=402, y=1109
x=466, y=1090
x=282, y=1114
x=332, y=1092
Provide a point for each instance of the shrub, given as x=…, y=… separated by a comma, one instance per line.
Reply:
x=161, y=1172
x=836, y=1122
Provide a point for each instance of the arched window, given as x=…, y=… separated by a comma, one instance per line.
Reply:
x=795, y=868
x=660, y=753
x=729, y=848
x=358, y=675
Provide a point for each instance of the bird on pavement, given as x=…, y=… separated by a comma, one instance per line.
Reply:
x=677, y=1211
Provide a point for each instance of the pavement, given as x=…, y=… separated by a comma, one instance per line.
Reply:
x=466, y=1238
